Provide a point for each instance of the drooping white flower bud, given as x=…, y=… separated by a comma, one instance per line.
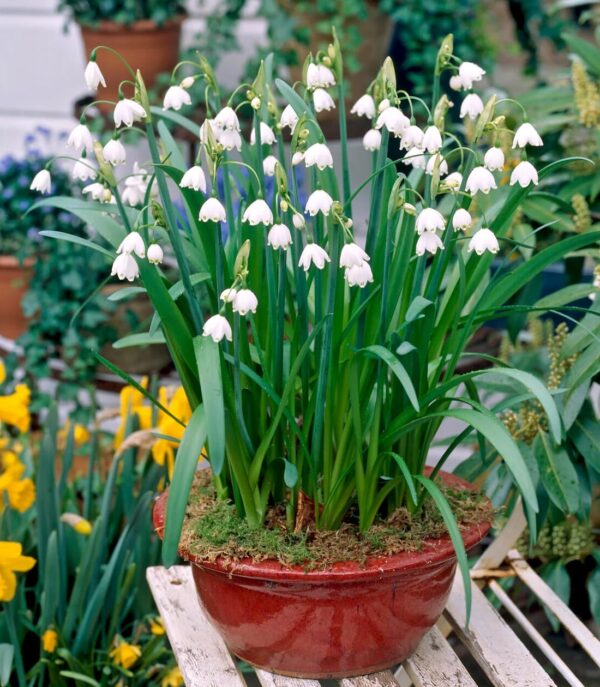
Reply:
x=228, y=295
x=212, y=210
x=524, y=174
x=411, y=138
x=133, y=243
x=428, y=241
x=482, y=240
x=93, y=76
x=352, y=254
x=125, y=267
x=218, y=328
x=187, y=82
x=127, y=112
x=461, y=220
x=267, y=135
x=175, y=98
x=364, y=107
x=194, y=178
x=432, y=139
x=322, y=100
x=318, y=154
x=443, y=166
x=372, y=140
x=84, y=170
x=42, y=182
x=394, y=120
x=315, y=255
x=230, y=139
x=279, y=236
x=415, y=158
x=453, y=180
x=244, y=302
x=430, y=219
x=297, y=158
x=95, y=190
x=359, y=275
x=319, y=76
x=456, y=83
x=114, y=152
x=288, y=118
x=383, y=105
x=227, y=120
x=480, y=179
x=80, y=139
x=298, y=221
x=269, y=165
x=494, y=159
x=525, y=135
x=319, y=201
x=155, y=254
x=471, y=106
x=470, y=72
x=258, y=212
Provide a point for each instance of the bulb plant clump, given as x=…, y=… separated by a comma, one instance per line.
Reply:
x=319, y=353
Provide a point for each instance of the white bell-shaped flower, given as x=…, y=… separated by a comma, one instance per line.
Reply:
x=394, y=120
x=431, y=163
x=267, y=135
x=364, y=107
x=297, y=158
x=227, y=119
x=319, y=76
x=315, y=255
x=133, y=194
x=228, y=295
x=288, y=118
x=469, y=72
x=93, y=76
x=155, y=254
x=80, y=139
x=372, y=140
x=218, y=328
x=453, y=181
x=352, y=254
x=480, y=179
x=114, y=152
x=298, y=221
x=212, y=210
x=125, y=267
x=482, y=240
x=411, y=138
x=430, y=219
x=269, y=164
x=456, y=83
x=471, y=106
x=258, y=212
x=318, y=154
x=175, y=98
x=95, y=191
x=244, y=302
x=318, y=201
x=526, y=135
x=84, y=170
x=41, y=182
x=415, y=158
x=461, y=220
x=359, y=275
x=279, y=236
x=428, y=242
x=194, y=178
x=133, y=243
x=127, y=112
x=322, y=100
x=230, y=139
x=524, y=174
x=432, y=139
x=494, y=159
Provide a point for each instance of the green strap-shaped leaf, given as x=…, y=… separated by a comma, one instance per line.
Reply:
x=397, y=368
x=189, y=450
x=73, y=238
x=455, y=535
x=557, y=473
x=208, y=359
x=7, y=654
x=51, y=593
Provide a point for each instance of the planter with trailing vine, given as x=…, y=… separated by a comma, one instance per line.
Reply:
x=14, y=282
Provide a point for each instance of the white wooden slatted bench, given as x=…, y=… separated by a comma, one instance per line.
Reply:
x=205, y=661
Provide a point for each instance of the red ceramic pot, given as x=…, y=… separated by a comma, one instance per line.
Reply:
x=345, y=620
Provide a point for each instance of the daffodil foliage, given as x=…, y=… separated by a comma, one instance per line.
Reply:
x=319, y=356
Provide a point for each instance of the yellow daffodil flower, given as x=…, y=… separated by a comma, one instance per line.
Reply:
x=125, y=654
x=157, y=627
x=14, y=408
x=80, y=434
x=2, y=373
x=12, y=561
x=163, y=450
x=50, y=641
x=131, y=402
x=21, y=494
x=79, y=524
x=173, y=678
x=20, y=491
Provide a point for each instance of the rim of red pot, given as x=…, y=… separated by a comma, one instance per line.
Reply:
x=433, y=552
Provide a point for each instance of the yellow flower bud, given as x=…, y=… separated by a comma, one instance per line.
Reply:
x=50, y=641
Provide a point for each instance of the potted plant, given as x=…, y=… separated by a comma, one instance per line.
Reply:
x=146, y=34
x=318, y=370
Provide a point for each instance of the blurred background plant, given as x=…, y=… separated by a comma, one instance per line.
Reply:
x=92, y=12
x=78, y=514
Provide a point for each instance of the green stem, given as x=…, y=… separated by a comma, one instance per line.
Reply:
x=344, y=144
x=14, y=640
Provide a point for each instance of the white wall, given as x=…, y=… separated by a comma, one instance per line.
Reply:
x=41, y=65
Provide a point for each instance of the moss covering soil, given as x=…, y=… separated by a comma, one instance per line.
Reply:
x=213, y=529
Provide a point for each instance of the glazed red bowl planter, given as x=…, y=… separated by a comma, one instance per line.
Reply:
x=349, y=619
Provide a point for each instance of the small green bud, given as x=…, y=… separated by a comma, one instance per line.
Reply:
x=158, y=214
x=241, y=261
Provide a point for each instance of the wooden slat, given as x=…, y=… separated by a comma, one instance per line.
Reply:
x=560, y=609
x=434, y=664
x=494, y=555
x=503, y=657
x=271, y=680
x=383, y=679
x=201, y=654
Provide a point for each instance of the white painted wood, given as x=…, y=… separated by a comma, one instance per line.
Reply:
x=201, y=654
x=271, y=680
x=505, y=540
x=383, y=679
x=535, y=636
x=497, y=649
x=580, y=632
x=434, y=664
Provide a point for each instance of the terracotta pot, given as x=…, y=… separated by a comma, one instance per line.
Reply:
x=150, y=48
x=376, y=32
x=342, y=621
x=143, y=360
x=14, y=282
